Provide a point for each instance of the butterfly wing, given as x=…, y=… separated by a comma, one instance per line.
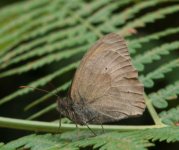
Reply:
x=107, y=82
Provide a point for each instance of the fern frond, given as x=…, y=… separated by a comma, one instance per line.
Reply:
x=110, y=140
x=137, y=43
x=1, y=144
x=159, y=98
x=36, y=142
x=26, y=18
x=148, y=18
x=170, y=117
x=24, y=25
x=55, y=20
x=42, y=111
x=33, y=28
x=154, y=54
x=104, y=13
x=120, y=19
x=114, y=141
x=16, y=9
x=159, y=73
x=64, y=141
x=94, y=18
x=58, y=46
x=39, y=83
x=50, y=39
x=124, y=140
x=28, y=36
x=168, y=134
x=43, y=61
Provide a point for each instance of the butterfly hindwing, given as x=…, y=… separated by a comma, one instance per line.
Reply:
x=107, y=82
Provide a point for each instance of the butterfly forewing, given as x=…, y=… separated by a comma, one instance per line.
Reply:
x=107, y=82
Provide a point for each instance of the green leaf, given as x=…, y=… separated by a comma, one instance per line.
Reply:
x=132, y=140
x=159, y=98
x=148, y=80
x=36, y=142
x=42, y=111
x=170, y=117
x=125, y=15
x=113, y=141
x=148, y=18
x=137, y=43
x=43, y=61
x=154, y=54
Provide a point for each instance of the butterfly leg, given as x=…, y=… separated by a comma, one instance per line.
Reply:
x=60, y=123
x=76, y=124
x=101, y=124
x=91, y=130
x=102, y=128
x=89, y=127
x=99, y=121
x=78, y=131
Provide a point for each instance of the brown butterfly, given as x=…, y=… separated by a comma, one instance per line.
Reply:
x=105, y=87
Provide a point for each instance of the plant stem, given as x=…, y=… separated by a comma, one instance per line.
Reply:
x=39, y=126
x=152, y=112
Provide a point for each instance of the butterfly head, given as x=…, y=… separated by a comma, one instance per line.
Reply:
x=65, y=107
x=72, y=111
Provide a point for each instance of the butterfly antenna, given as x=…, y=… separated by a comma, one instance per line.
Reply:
x=53, y=87
x=38, y=89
